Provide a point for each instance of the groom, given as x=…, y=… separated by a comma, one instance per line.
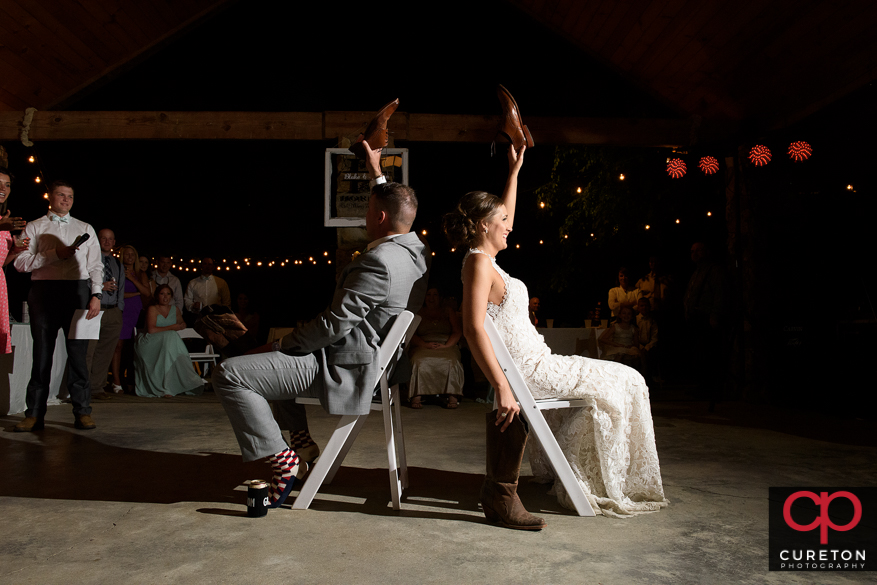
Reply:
x=334, y=357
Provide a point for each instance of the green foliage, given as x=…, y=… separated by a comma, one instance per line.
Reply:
x=608, y=213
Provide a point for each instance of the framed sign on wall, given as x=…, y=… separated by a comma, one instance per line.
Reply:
x=347, y=190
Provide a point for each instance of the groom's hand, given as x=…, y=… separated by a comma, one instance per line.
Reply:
x=372, y=161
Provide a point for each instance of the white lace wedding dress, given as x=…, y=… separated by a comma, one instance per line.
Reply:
x=610, y=445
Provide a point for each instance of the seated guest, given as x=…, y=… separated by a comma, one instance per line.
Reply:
x=621, y=340
x=137, y=295
x=623, y=295
x=205, y=290
x=163, y=367
x=533, y=308
x=648, y=337
x=435, y=357
x=250, y=320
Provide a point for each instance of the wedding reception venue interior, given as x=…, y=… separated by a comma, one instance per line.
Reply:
x=596, y=269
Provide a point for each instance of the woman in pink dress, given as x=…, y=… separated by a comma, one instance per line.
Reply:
x=9, y=248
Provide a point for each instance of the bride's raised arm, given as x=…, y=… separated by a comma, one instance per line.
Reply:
x=510, y=193
x=477, y=284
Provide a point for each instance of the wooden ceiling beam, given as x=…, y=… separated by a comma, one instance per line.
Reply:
x=71, y=125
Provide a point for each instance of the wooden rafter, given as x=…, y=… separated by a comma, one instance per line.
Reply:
x=52, y=126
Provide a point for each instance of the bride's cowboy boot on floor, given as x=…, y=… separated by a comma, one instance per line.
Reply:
x=511, y=126
x=376, y=133
x=499, y=497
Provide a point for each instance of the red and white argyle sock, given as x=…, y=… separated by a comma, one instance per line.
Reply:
x=285, y=466
x=300, y=439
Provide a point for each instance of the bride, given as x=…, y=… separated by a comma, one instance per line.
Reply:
x=610, y=445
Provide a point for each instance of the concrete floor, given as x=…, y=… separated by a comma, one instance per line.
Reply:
x=153, y=496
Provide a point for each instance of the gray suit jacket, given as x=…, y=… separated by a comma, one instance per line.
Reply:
x=370, y=292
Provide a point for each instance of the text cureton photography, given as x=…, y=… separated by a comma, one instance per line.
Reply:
x=822, y=528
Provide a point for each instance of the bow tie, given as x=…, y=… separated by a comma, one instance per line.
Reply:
x=59, y=218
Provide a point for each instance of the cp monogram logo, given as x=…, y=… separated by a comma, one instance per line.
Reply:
x=822, y=500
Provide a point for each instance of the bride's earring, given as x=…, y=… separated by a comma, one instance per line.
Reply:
x=485, y=230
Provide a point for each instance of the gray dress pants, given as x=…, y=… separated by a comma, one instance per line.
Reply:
x=245, y=384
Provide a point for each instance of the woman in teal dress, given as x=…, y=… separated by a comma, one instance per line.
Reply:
x=162, y=364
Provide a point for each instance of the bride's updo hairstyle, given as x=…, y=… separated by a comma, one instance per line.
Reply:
x=463, y=225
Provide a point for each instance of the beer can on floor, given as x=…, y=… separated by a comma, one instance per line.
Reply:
x=257, y=498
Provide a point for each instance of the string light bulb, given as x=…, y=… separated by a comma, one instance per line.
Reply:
x=38, y=180
x=30, y=158
x=849, y=187
x=621, y=177
x=709, y=213
x=677, y=221
x=518, y=246
x=542, y=204
x=648, y=226
x=540, y=241
x=579, y=190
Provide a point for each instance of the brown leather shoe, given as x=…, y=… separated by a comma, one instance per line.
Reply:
x=84, y=422
x=30, y=423
x=376, y=133
x=512, y=127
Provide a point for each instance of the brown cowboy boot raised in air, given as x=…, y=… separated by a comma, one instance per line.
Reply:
x=511, y=126
x=499, y=492
x=376, y=133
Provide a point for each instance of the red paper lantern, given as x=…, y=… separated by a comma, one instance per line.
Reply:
x=759, y=155
x=676, y=168
x=800, y=151
x=709, y=165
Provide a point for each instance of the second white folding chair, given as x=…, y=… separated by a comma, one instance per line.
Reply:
x=349, y=426
x=205, y=357
x=532, y=411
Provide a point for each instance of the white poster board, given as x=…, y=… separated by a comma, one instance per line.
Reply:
x=346, y=184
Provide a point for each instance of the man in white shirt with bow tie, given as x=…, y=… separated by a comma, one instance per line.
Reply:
x=63, y=280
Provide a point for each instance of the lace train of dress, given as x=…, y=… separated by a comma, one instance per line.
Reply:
x=610, y=445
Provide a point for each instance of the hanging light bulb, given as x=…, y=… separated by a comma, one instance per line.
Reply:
x=30, y=158
x=542, y=204
x=37, y=179
x=648, y=226
x=579, y=190
x=621, y=177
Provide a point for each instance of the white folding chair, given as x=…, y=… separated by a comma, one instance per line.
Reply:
x=205, y=357
x=532, y=411
x=349, y=426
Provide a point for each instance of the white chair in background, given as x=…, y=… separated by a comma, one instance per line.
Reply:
x=532, y=409
x=205, y=357
x=349, y=426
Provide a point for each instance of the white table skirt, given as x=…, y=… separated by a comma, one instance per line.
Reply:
x=17, y=367
x=562, y=340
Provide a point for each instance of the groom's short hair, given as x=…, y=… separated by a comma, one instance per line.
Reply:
x=400, y=203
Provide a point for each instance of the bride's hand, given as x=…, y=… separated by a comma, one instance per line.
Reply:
x=508, y=406
x=516, y=158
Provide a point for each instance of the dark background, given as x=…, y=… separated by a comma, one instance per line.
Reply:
x=263, y=199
